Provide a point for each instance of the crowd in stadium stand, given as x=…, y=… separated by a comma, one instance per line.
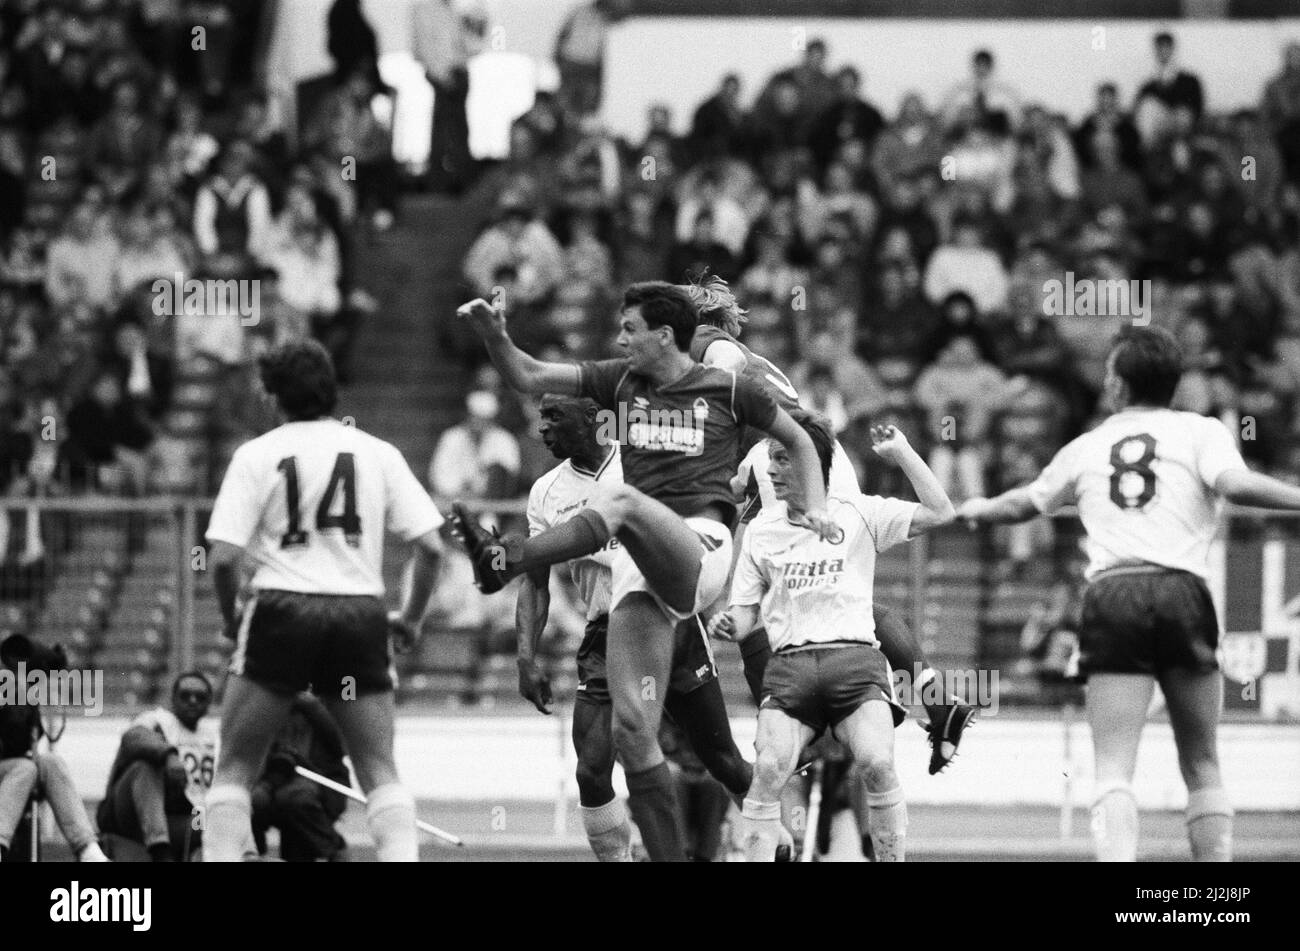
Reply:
x=898, y=267
x=137, y=147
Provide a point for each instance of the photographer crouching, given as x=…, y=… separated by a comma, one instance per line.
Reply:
x=24, y=769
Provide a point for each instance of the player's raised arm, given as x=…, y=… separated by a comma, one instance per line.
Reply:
x=1014, y=505
x=532, y=608
x=936, y=508
x=521, y=371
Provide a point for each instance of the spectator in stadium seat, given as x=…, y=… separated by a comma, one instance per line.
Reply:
x=80, y=261
x=967, y=264
x=476, y=459
x=580, y=53
x=816, y=89
x=304, y=252
x=107, y=438
x=719, y=125
x=909, y=145
x=1108, y=181
x=848, y=116
x=898, y=323
x=519, y=241
x=959, y=394
x=1280, y=107
x=780, y=125
x=162, y=770
x=232, y=210
x=123, y=141
x=702, y=251
x=344, y=128
x=144, y=254
x=189, y=145
x=1110, y=119
x=642, y=236
x=303, y=811
x=982, y=100
x=839, y=197
x=1167, y=91
x=730, y=222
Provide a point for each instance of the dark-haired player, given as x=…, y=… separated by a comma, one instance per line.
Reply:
x=715, y=344
x=814, y=597
x=308, y=503
x=1148, y=483
x=694, y=700
x=679, y=424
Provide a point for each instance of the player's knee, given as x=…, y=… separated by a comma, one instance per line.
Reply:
x=875, y=771
x=633, y=742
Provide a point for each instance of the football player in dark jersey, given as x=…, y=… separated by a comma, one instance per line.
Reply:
x=680, y=425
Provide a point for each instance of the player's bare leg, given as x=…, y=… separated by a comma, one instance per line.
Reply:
x=1195, y=701
x=253, y=716
x=603, y=817
x=778, y=743
x=663, y=546
x=868, y=732
x=1117, y=710
x=367, y=725
x=638, y=660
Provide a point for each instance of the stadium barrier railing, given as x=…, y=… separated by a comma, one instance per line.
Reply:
x=120, y=580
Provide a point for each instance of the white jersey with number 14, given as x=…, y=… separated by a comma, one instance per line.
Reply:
x=1144, y=484
x=311, y=500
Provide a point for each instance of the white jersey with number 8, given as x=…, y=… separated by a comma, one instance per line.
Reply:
x=311, y=500
x=1144, y=484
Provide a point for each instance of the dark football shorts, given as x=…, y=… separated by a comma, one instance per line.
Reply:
x=822, y=686
x=1147, y=622
x=693, y=665
x=290, y=640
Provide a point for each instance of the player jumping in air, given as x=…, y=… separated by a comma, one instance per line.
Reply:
x=694, y=700
x=309, y=503
x=1149, y=484
x=715, y=344
x=814, y=597
x=680, y=425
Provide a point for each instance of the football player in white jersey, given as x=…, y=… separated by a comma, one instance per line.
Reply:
x=716, y=344
x=308, y=503
x=1149, y=484
x=814, y=597
x=694, y=698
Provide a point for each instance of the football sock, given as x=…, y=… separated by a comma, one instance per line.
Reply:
x=227, y=823
x=1115, y=824
x=390, y=813
x=581, y=535
x=653, y=803
x=755, y=652
x=887, y=824
x=91, y=852
x=161, y=852
x=1209, y=825
x=761, y=830
x=608, y=831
